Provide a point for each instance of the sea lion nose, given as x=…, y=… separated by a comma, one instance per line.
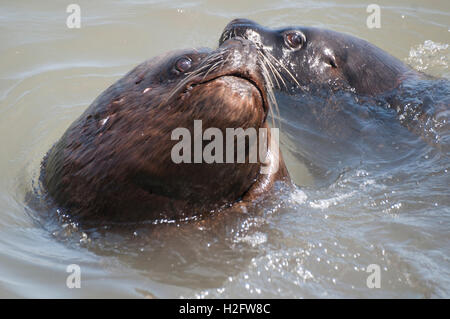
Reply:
x=236, y=28
x=242, y=55
x=241, y=22
x=238, y=44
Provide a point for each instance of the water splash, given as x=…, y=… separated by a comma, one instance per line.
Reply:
x=430, y=56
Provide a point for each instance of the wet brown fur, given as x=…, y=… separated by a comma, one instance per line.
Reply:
x=113, y=163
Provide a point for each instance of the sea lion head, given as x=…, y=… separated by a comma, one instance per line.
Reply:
x=115, y=162
x=308, y=57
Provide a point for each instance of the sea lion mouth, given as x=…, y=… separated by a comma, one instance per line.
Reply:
x=240, y=82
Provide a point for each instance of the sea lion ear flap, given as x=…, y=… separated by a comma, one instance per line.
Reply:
x=330, y=58
x=332, y=61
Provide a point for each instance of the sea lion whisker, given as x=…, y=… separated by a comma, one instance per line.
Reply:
x=274, y=104
x=189, y=77
x=281, y=64
x=274, y=71
x=212, y=68
x=266, y=74
x=225, y=60
x=208, y=65
x=264, y=65
x=270, y=93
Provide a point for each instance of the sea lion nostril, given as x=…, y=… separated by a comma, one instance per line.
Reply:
x=236, y=27
x=236, y=41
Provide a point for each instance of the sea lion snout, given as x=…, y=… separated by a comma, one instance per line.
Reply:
x=242, y=60
x=239, y=28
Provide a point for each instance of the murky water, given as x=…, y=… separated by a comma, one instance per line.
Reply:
x=382, y=198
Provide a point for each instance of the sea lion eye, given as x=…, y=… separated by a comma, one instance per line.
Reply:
x=295, y=39
x=183, y=64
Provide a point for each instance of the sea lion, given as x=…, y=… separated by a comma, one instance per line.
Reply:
x=315, y=56
x=113, y=164
x=338, y=69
